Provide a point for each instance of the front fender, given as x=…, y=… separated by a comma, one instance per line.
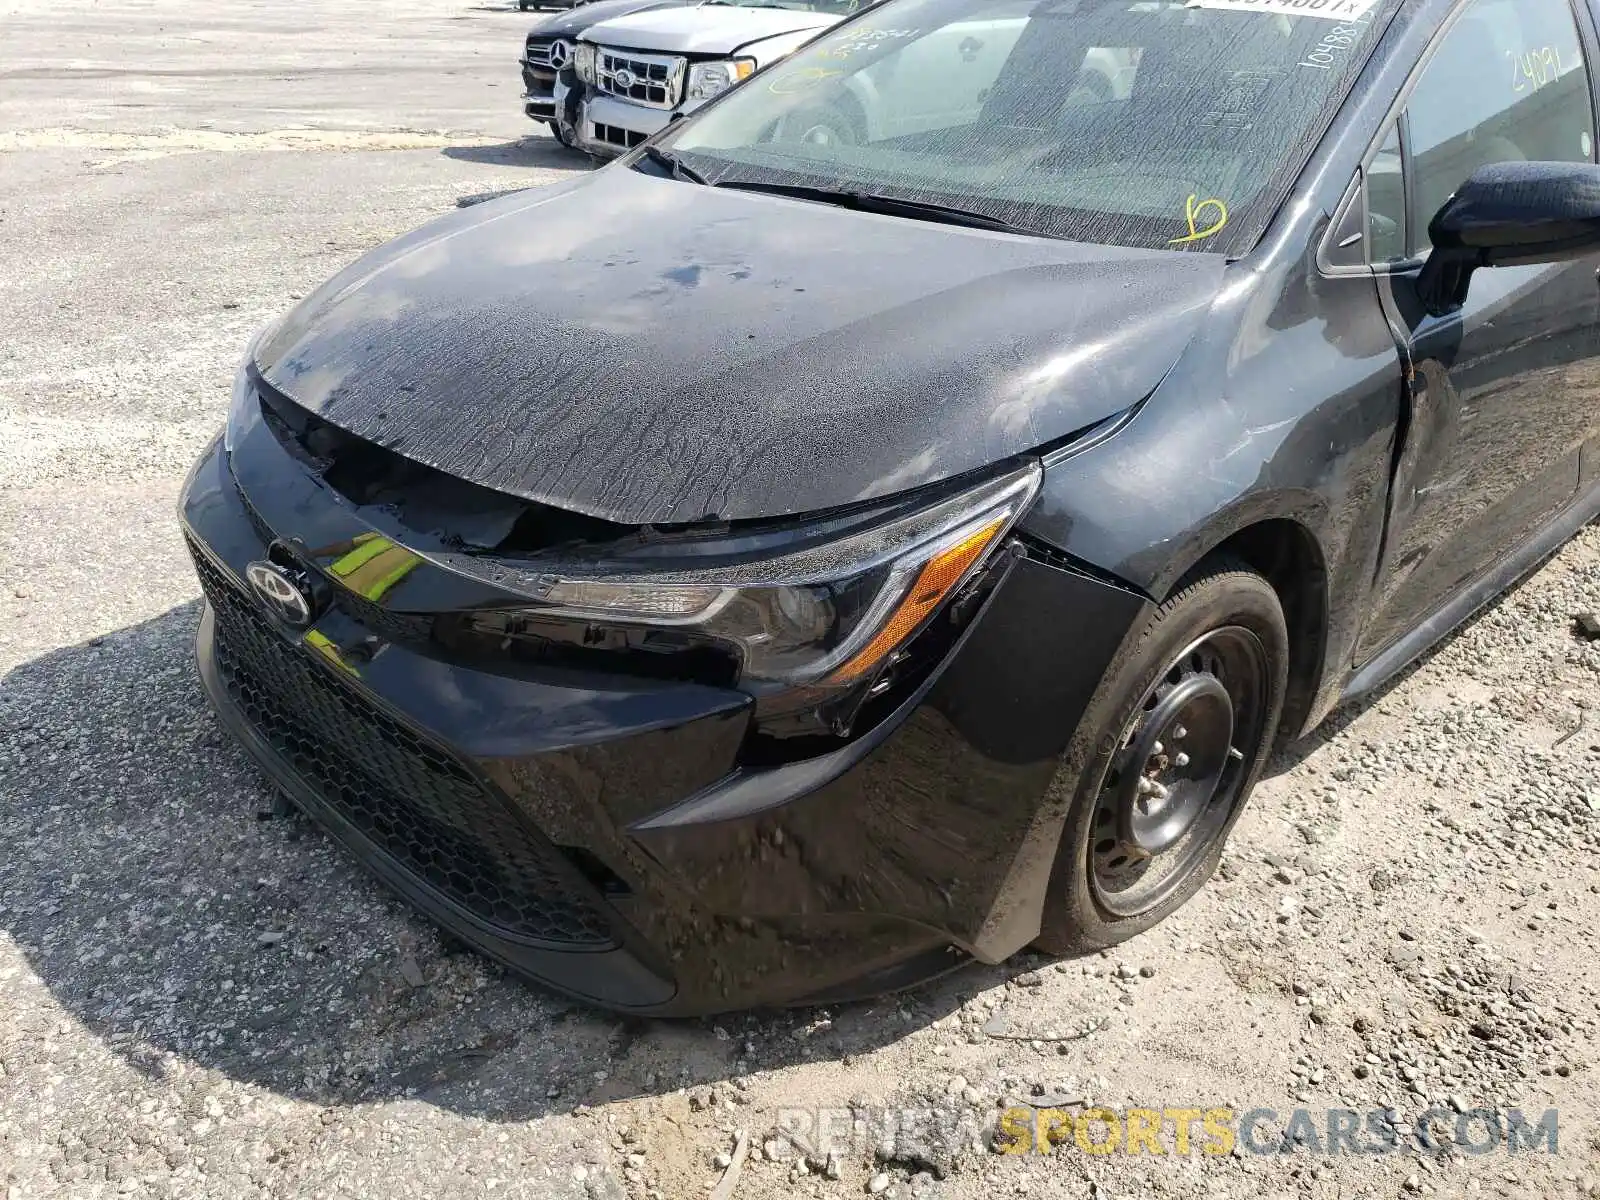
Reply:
x=1279, y=410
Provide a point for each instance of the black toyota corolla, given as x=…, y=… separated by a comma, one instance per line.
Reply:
x=890, y=519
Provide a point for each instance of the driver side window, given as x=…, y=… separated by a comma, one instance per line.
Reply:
x=1507, y=83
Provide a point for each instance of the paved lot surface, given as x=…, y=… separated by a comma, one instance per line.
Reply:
x=194, y=1002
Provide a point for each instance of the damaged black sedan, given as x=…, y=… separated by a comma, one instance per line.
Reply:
x=891, y=518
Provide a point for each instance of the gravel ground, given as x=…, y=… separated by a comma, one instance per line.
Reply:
x=198, y=1002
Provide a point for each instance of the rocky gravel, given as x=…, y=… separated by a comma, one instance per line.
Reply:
x=202, y=997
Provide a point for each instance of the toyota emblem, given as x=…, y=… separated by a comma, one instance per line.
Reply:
x=560, y=54
x=625, y=78
x=280, y=593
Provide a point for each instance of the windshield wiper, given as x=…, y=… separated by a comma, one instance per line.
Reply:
x=920, y=210
x=673, y=164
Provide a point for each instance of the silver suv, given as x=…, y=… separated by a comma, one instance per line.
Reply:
x=640, y=71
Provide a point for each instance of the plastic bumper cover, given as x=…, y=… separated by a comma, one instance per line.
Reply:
x=719, y=886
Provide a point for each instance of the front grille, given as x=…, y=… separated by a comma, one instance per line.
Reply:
x=389, y=625
x=653, y=80
x=410, y=796
x=615, y=135
x=538, y=51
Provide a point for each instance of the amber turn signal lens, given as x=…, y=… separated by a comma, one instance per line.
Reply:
x=938, y=576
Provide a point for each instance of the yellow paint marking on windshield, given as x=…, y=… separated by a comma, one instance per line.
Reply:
x=1195, y=210
x=802, y=80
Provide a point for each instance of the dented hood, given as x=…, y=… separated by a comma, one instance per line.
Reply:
x=651, y=351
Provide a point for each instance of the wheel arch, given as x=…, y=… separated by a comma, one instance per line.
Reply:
x=1285, y=552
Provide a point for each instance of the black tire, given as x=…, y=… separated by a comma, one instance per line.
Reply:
x=1223, y=628
x=561, y=135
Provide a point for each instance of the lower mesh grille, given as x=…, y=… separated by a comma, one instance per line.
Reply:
x=411, y=797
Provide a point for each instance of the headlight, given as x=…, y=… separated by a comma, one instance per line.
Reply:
x=830, y=614
x=708, y=78
x=583, y=61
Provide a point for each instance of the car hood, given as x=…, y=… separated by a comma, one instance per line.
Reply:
x=652, y=351
x=574, y=21
x=703, y=29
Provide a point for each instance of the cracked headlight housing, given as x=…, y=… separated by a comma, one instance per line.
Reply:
x=709, y=79
x=828, y=616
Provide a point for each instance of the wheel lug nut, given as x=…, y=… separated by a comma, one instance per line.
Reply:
x=1158, y=748
x=1182, y=760
x=1149, y=787
x=1179, y=733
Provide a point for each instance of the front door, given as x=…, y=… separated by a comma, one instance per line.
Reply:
x=1505, y=392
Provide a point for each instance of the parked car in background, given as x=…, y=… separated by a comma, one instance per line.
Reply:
x=638, y=72
x=548, y=50
x=647, y=70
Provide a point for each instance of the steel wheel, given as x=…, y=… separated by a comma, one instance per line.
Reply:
x=1162, y=761
x=1171, y=788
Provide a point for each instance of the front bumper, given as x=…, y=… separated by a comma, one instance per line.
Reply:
x=601, y=834
x=608, y=127
x=538, y=91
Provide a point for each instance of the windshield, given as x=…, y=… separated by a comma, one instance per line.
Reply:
x=1151, y=123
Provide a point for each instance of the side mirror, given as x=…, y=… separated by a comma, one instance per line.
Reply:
x=1507, y=215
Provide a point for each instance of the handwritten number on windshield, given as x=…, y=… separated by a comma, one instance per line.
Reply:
x=1535, y=69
